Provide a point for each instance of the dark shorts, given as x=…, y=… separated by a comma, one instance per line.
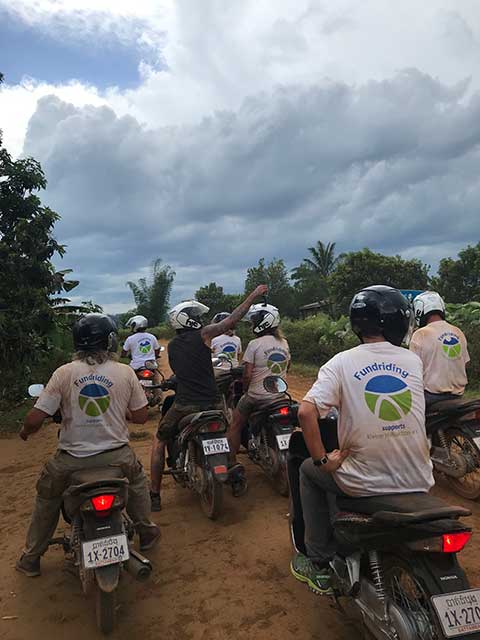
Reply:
x=167, y=429
x=248, y=405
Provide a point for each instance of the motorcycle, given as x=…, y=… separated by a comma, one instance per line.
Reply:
x=396, y=570
x=98, y=543
x=146, y=376
x=453, y=427
x=268, y=433
x=198, y=456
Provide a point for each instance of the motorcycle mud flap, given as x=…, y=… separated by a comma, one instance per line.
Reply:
x=108, y=577
x=218, y=464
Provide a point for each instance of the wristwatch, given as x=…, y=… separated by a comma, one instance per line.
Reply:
x=321, y=461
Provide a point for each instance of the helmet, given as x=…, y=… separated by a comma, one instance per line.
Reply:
x=187, y=315
x=137, y=322
x=263, y=317
x=95, y=332
x=427, y=303
x=381, y=310
x=218, y=317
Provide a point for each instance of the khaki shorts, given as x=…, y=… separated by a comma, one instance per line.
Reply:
x=168, y=427
x=248, y=405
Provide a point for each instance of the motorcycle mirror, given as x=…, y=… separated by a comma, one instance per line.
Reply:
x=162, y=349
x=275, y=384
x=34, y=390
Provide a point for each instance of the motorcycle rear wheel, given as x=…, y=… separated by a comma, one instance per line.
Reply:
x=106, y=610
x=468, y=486
x=211, y=497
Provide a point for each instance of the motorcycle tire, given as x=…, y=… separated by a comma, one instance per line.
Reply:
x=211, y=497
x=106, y=610
x=468, y=486
x=280, y=481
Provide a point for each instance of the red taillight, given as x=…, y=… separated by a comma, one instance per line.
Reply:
x=221, y=468
x=146, y=373
x=454, y=542
x=284, y=411
x=214, y=426
x=103, y=503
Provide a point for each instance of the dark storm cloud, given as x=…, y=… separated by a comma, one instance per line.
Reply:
x=391, y=165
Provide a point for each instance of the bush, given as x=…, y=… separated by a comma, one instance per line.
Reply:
x=467, y=318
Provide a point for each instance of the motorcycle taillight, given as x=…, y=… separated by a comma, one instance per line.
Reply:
x=103, y=502
x=446, y=543
x=212, y=427
x=145, y=374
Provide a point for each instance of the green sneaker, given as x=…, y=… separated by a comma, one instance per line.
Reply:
x=319, y=580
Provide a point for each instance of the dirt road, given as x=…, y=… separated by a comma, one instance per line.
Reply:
x=211, y=580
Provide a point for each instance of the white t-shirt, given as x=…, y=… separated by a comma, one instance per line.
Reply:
x=93, y=401
x=231, y=346
x=443, y=350
x=378, y=389
x=270, y=357
x=142, y=347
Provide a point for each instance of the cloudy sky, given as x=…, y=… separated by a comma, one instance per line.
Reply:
x=213, y=133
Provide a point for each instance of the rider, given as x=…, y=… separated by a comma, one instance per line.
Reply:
x=227, y=344
x=142, y=347
x=378, y=389
x=93, y=393
x=268, y=354
x=442, y=348
x=190, y=359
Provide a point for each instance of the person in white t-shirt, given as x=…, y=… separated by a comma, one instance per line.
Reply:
x=441, y=347
x=140, y=345
x=227, y=344
x=377, y=388
x=268, y=354
x=93, y=393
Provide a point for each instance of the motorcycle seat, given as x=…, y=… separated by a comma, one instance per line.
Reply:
x=194, y=419
x=80, y=480
x=452, y=406
x=398, y=509
x=270, y=408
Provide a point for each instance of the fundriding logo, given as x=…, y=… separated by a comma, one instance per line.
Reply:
x=229, y=350
x=94, y=399
x=451, y=347
x=388, y=398
x=277, y=363
x=145, y=346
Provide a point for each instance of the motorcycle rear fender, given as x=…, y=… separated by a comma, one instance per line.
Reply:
x=95, y=526
x=218, y=460
x=280, y=429
x=108, y=577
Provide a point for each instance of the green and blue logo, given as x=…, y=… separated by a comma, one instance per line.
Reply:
x=145, y=346
x=230, y=351
x=451, y=347
x=277, y=363
x=94, y=400
x=388, y=398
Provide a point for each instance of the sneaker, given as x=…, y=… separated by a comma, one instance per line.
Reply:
x=149, y=539
x=30, y=568
x=155, y=501
x=318, y=579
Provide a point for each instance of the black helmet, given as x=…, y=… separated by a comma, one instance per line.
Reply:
x=95, y=332
x=218, y=317
x=381, y=310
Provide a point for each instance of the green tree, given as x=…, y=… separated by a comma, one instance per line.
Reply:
x=459, y=280
x=275, y=276
x=311, y=277
x=359, y=269
x=27, y=277
x=212, y=296
x=152, y=295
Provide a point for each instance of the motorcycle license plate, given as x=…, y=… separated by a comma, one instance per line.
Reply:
x=459, y=613
x=283, y=441
x=215, y=445
x=99, y=553
x=146, y=383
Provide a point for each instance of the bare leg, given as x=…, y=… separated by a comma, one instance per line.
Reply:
x=235, y=431
x=157, y=463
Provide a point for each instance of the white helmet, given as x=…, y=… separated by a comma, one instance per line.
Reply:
x=425, y=303
x=263, y=317
x=137, y=322
x=187, y=315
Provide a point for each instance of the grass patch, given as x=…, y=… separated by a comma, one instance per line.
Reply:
x=472, y=393
x=304, y=370
x=11, y=420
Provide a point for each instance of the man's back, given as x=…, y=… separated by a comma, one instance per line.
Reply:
x=142, y=346
x=93, y=400
x=191, y=361
x=378, y=388
x=442, y=347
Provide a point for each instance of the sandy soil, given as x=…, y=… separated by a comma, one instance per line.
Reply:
x=211, y=580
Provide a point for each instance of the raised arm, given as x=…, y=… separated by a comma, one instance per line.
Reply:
x=212, y=330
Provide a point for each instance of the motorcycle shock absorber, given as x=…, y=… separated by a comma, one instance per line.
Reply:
x=376, y=570
x=442, y=439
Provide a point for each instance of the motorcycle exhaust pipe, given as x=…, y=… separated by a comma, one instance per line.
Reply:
x=138, y=566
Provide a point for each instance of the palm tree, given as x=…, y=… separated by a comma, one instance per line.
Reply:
x=323, y=259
